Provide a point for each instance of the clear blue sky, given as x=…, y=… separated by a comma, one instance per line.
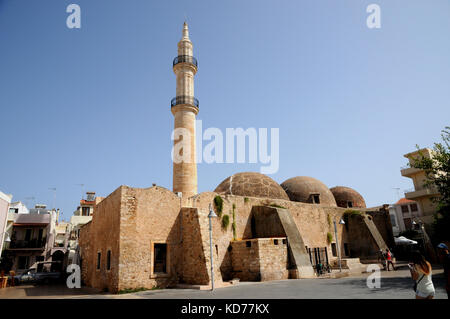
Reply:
x=92, y=106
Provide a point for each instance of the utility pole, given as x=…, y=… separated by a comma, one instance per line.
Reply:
x=54, y=196
x=398, y=192
x=82, y=189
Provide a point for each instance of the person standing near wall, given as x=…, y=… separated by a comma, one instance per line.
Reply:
x=389, y=260
x=421, y=274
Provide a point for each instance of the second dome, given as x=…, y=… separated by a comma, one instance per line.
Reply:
x=308, y=190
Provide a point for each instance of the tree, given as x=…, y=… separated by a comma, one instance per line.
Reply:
x=437, y=171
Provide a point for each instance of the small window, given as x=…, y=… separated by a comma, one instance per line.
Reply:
x=284, y=241
x=349, y=204
x=108, y=260
x=333, y=249
x=248, y=243
x=99, y=258
x=316, y=198
x=413, y=207
x=405, y=209
x=160, y=258
x=275, y=241
x=85, y=211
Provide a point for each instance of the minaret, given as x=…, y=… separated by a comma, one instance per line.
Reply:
x=184, y=108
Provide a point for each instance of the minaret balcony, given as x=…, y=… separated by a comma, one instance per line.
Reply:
x=185, y=59
x=184, y=99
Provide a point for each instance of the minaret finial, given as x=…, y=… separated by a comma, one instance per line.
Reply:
x=185, y=31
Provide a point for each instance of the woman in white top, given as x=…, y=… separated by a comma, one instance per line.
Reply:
x=421, y=273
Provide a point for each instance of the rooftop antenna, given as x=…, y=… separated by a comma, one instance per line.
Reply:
x=82, y=190
x=29, y=198
x=398, y=192
x=54, y=196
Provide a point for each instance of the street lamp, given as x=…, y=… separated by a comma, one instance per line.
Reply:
x=341, y=222
x=210, y=216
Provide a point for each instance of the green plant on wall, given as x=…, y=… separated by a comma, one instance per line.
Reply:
x=329, y=237
x=225, y=221
x=246, y=199
x=233, y=225
x=329, y=220
x=218, y=202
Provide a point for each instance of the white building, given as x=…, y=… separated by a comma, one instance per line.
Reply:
x=18, y=208
x=81, y=216
x=5, y=201
x=404, y=214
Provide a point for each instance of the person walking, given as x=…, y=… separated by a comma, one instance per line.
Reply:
x=382, y=259
x=421, y=274
x=389, y=260
x=444, y=255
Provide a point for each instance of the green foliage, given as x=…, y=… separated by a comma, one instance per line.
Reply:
x=233, y=226
x=437, y=171
x=329, y=237
x=234, y=206
x=246, y=199
x=329, y=220
x=218, y=203
x=225, y=221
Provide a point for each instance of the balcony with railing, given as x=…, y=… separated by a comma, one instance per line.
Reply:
x=28, y=244
x=408, y=171
x=414, y=193
x=185, y=59
x=184, y=99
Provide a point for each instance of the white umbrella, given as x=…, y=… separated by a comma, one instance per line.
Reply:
x=404, y=241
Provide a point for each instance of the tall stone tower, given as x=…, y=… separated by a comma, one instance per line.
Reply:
x=184, y=108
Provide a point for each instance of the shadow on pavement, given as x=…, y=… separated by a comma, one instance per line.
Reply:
x=44, y=291
x=389, y=283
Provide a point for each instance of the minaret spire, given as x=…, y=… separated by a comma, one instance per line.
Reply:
x=185, y=32
x=184, y=108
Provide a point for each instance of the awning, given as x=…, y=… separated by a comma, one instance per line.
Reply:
x=404, y=241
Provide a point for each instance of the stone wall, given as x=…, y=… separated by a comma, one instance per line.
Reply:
x=313, y=221
x=85, y=251
x=260, y=259
x=101, y=235
x=382, y=220
x=193, y=267
x=131, y=220
x=148, y=216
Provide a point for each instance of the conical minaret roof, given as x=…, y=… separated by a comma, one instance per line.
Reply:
x=185, y=32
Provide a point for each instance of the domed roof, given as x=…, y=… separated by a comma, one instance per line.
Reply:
x=252, y=185
x=347, y=197
x=308, y=190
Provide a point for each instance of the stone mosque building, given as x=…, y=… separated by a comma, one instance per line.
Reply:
x=156, y=237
